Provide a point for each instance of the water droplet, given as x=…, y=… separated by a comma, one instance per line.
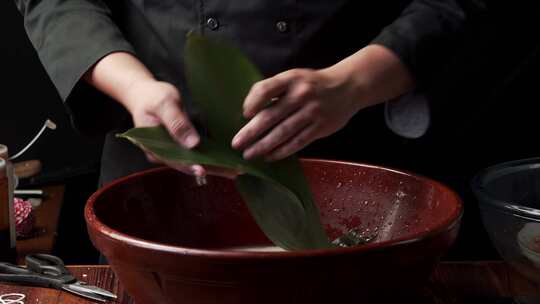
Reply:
x=400, y=194
x=339, y=185
x=366, y=203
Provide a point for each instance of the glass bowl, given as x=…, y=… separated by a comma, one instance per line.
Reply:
x=509, y=198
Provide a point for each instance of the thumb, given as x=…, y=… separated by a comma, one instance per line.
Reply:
x=178, y=124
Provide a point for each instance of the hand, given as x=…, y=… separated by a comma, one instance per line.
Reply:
x=152, y=103
x=306, y=105
x=125, y=78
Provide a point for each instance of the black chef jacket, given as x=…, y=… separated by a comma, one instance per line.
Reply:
x=71, y=36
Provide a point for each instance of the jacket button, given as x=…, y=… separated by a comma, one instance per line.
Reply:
x=212, y=23
x=282, y=26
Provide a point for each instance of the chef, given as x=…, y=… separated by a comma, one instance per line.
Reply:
x=328, y=64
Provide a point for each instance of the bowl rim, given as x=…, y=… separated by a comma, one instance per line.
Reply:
x=492, y=172
x=447, y=224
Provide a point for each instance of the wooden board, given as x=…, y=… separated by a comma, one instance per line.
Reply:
x=101, y=276
x=452, y=283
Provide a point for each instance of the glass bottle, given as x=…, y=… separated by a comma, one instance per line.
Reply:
x=8, y=251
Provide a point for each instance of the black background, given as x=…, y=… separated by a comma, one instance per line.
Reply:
x=27, y=99
x=486, y=113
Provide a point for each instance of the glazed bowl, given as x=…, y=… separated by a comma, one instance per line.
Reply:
x=509, y=198
x=171, y=241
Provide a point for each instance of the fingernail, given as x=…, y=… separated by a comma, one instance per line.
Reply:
x=191, y=141
x=247, y=113
x=197, y=170
x=235, y=142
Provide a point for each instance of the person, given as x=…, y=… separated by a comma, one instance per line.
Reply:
x=326, y=63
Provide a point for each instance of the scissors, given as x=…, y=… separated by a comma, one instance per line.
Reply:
x=46, y=270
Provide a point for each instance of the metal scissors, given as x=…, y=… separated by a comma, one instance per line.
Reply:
x=44, y=270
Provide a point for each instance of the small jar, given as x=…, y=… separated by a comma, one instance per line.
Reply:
x=4, y=153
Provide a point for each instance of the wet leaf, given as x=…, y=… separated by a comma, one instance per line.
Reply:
x=277, y=194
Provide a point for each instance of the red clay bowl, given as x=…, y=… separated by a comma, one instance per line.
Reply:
x=166, y=238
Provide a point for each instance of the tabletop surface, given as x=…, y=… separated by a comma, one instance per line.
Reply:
x=451, y=283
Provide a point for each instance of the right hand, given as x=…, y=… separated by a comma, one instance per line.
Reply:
x=152, y=103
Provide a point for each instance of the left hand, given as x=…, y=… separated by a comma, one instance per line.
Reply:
x=305, y=105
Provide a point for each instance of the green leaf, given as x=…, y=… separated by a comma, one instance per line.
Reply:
x=277, y=194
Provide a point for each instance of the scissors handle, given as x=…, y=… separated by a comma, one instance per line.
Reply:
x=48, y=265
x=7, y=268
x=19, y=275
x=49, y=271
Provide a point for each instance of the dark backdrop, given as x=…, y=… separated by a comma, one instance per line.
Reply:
x=27, y=99
x=485, y=114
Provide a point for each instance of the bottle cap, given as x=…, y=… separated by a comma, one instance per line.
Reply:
x=3, y=172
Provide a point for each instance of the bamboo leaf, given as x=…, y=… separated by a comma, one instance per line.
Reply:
x=277, y=194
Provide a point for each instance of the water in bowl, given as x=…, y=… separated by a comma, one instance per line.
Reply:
x=353, y=237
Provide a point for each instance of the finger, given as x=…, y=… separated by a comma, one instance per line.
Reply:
x=194, y=170
x=178, y=124
x=151, y=158
x=263, y=122
x=304, y=138
x=198, y=170
x=279, y=135
x=145, y=120
x=264, y=91
x=297, y=97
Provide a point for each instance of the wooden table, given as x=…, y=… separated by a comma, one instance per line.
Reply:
x=451, y=283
